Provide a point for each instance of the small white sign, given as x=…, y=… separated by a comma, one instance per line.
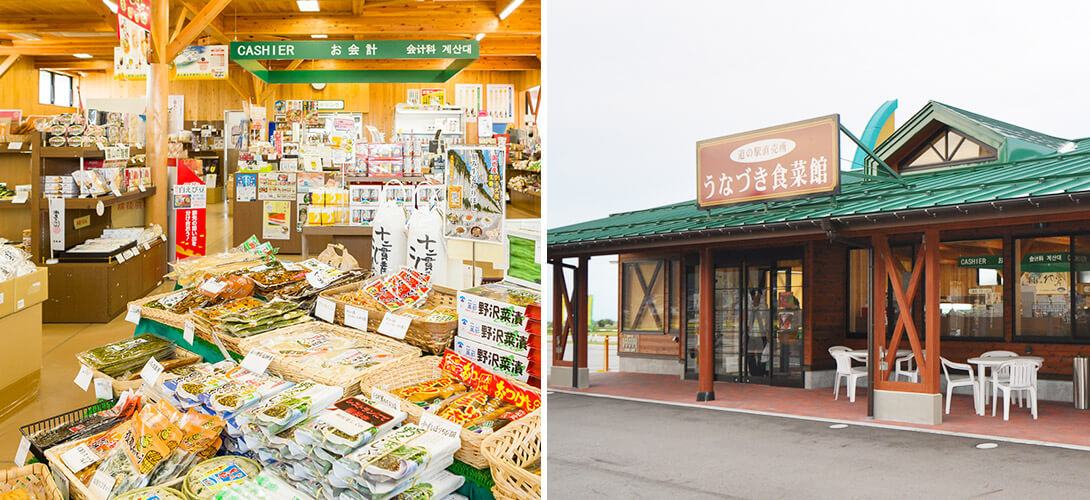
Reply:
x=19, y=304
x=83, y=378
x=345, y=422
x=62, y=481
x=135, y=250
x=141, y=188
x=440, y=425
x=355, y=317
x=21, y=452
x=384, y=400
x=115, y=191
x=79, y=458
x=102, y=483
x=147, y=246
x=319, y=280
x=187, y=331
x=257, y=360
x=213, y=286
x=130, y=253
x=163, y=237
x=100, y=208
x=293, y=267
x=151, y=372
x=104, y=388
x=116, y=153
x=120, y=257
x=133, y=315
x=325, y=309
x=15, y=145
x=394, y=325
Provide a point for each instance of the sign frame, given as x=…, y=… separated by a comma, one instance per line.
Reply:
x=833, y=169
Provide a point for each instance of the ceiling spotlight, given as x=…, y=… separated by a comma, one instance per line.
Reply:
x=307, y=5
x=319, y=36
x=112, y=5
x=82, y=55
x=480, y=36
x=509, y=9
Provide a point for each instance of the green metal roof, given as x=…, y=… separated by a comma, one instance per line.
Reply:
x=1047, y=175
x=1011, y=131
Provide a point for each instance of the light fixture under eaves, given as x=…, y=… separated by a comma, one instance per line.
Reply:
x=82, y=55
x=319, y=36
x=480, y=36
x=111, y=5
x=509, y=9
x=307, y=5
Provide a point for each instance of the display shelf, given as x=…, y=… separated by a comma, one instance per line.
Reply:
x=367, y=178
x=107, y=200
x=92, y=153
x=8, y=203
x=413, y=111
x=5, y=148
x=337, y=230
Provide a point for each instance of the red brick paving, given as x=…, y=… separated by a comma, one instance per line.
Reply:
x=1057, y=422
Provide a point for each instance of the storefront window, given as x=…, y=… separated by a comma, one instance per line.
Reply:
x=643, y=296
x=675, y=300
x=1082, y=287
x=971, y=288
x=858, y=289
x=1043, y=295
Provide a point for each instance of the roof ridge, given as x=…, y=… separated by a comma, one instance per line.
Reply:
x=984, y=120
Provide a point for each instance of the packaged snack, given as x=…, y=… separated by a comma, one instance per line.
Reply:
x=211, y=476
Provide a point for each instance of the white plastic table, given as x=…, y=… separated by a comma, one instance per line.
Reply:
x=992, y=363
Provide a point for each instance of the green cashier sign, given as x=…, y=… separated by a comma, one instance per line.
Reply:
x=248, y=55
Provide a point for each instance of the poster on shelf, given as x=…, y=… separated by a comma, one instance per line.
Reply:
x=501, y=102
x=175, y=113
x=469, y=96
x=276, y=186
x=245, y=187
x=475, y=193
x=412, y=97
x=484, y=125
x=189, y=214
x=56, y=224
x=276, y=220
x=433, y=97
x=201, y=62
x=15, y=115
x=190, y=195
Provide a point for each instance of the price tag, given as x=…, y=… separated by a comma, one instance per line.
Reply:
x=130, y=253
x=147, y=246
x=19, y=304
x=141, y=188
x=440, y=425
x=163, y=237
x=21, y=452
x=83, y=378
x=15, y=145
x=79, y=458
x=61, y=480
x=151, y=372
x=116, y=191
x=394, y=325
x=257, y=360
x=293, y=267
x=104, y=389
x=345, y=422
x=355, y=317
x=102, y=483
x=135, y=250
x=133, y=315
x=385, y=400
x=187, y=331
x=325, y=309
x=100, y=208
x=120, y=257
x=213, y=286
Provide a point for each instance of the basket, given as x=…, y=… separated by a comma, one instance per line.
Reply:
x=159, y=315
x=418, y=370
x=65, y=418
x=430, y=336
x=294, y=371
x=132, y=385
x=38, y=470
x=76, y=489
x=508, y=451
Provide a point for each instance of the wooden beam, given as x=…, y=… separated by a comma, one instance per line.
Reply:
x=8, y=62
x=107, y=15
x=65, y=23
x=178, y=25
x=293, y=65
x=422, y=21
x=357, y=7
x=81, y=65
x=59, y=49
x=482, y=64
x=510, y=46
x=195, y=27
x=213, y=27
x=238, y=89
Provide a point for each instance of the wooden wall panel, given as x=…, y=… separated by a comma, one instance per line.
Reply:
x=19, y=90
x=826, y=270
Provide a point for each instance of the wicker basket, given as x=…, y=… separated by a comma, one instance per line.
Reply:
x=131, y=385
x=508, y=451
x=294, y=371
x=159, y=315
x=432, y=337
x=415, y=371
x=42, y=473
x=76, y=489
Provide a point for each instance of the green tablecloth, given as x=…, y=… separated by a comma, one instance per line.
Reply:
x=478, y=485
x=205, y=349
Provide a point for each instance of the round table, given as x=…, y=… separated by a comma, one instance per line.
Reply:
x=993, y=363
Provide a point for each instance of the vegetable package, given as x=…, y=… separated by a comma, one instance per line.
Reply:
x=126, y=356
x=392, y=463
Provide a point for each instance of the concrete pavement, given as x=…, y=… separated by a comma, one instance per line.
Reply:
x=603, y=448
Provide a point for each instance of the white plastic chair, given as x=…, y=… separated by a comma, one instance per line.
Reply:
x=997, y=373
x=902, y=367
x=1022, y=378
x=844, y=369
x=952, y=382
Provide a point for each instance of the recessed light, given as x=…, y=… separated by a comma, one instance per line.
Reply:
x=82, y=55
x=509, y=9
x=480, y=36
x=307, y=5
x=111, y=5
x=319, y=36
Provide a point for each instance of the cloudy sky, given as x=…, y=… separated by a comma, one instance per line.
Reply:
x=631, y=85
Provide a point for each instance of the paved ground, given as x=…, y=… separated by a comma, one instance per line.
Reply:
x=596, y=359
x=603, y=448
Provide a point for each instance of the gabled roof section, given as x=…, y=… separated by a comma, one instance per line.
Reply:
x=1013, y=143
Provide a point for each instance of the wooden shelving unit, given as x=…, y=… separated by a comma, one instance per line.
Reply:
x=16, y=168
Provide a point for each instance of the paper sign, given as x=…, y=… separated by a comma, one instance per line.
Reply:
x=15, y=145
x=141, y=188
x=130, y=253
x=79, y=458
x=385, y=399
x=120, y=257
x=319, y=280
x=62, y=482
x=20, y=197
x=257, y=361
x=293, y=267
x=19, y=304
x=213, y=286
x=20, y=453
x=163, y=237
x=325, y=309
x=133, y=315
x=394, y=325
x=187, y=331
x=115, y=191
x=151, y=372
x=83, y=378
x=102, y=483
x=104, y=388
x=440, y=425
x=345, y=422
x=355, y=317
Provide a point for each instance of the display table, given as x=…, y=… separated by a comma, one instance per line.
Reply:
x=204, y=348
x=356, y=239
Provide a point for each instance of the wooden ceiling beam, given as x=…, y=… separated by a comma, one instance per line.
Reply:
x=498, y=63
x=107, y=15
x=213, y=27
x=508, y=46
x=74, y=65
x=41, y=24
x=179, y=24
x=59, y=49
x=200, y=21
x=294, y=65
x=7, y=64
x=357, y=7
x=432, y=23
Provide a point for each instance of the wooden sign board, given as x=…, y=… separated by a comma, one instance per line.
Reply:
x=657, y=344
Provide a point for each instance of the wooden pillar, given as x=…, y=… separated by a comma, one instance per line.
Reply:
x=155, y=210
x=878, y=331
x=706, y=329
x=931, y=304
x=560, y=319
x=582, y=316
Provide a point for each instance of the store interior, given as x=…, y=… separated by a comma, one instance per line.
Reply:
x=324, y=210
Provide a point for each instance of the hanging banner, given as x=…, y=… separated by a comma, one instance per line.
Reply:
x=501, y=102
x=56, y=224
x=133, y=33
x=189, y=198
x=201, y=62
x=469, y=97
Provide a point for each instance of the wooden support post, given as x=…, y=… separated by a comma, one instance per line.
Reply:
x=582, y=317
x=707, y=329
x=929, y=372
x=155, y=211
x=881, y=286
x=560, y=319
x=9, y=61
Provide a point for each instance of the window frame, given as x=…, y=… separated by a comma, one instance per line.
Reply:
x=663, y=278
x=906, y=164
x=1070, y=338
x=1007, y=295
x=53, y=88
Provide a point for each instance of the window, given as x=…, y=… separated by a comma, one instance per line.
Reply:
x=858, y=291
x=643, y=296
x=54, y=88
x=949, y=147
x=1043, y=294
x=971, y=288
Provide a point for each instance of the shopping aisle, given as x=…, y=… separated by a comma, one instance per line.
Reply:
x=61, y=342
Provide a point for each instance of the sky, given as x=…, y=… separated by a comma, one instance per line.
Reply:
x=631, y=86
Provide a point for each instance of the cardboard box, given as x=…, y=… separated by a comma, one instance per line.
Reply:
x=21, y=359
x=7, y=297
x=31, y=289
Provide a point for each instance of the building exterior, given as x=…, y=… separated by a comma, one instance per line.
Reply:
x=976, y=238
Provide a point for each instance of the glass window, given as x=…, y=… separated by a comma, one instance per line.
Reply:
x=858, y=290
x=949, y=147
x=675, y=301
x=45, y=87
x=643, y=296
x=62, y=90
x=1082, y=287
x=971, y=288
x=1043, y=294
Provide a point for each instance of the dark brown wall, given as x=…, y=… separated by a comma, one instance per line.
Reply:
x=826, y=269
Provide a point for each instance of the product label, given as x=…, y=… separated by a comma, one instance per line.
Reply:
x=355, y=317
x=325, y=309
x=440, y=425
x=213, y=286
x=257, y=360
x=385, y=399
x=102, y=483
x=133, y=315
x=83, y=378
x=21, y=452
x=79, y=458
x=221, y=476
x=394, y=325
x=151, y=372
x=104, y=388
